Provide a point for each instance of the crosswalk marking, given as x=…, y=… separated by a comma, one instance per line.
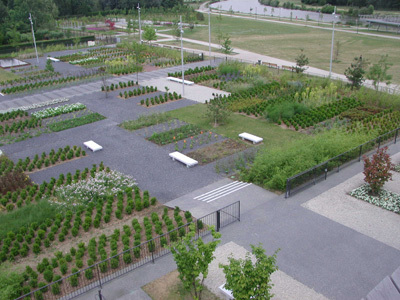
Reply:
x=222, y=191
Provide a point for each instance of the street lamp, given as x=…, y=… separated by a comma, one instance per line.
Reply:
x=34, y=40
x=209, y=33
x=140, y=25
x=333, y=38
x=183, y=72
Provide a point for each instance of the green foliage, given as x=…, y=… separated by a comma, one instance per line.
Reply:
x=66, y=124
x=217, y=111
x=226, y=43
x=301, y=62
x=49, y=66
x=192, y=258
x=149, y=34
x=377, y=170
x=248, y=280
x=285, y=110
x=274, y=165
x=10, y=285
x=378, y=72
x=355, y=73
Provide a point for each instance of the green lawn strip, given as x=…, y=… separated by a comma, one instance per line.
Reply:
x=272, y=134
x=66, y=124
x=6, y=75
x=176, y=134
x=145, y=121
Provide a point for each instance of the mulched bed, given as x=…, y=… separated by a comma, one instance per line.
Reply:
x=217, y=151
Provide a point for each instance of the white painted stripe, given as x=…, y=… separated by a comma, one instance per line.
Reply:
x=217, y=189
x=222, y=192
x=228, y=193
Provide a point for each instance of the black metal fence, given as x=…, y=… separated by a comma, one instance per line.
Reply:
x=104, y=271
x=321, y=171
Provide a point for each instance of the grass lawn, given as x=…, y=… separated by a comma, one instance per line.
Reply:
x=7, y=75
x=271, y=133
x=285, y=41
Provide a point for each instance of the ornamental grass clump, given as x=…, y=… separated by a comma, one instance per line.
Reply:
x=377, y=170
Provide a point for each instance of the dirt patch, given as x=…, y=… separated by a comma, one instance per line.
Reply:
x=149, y=68
x=169, y=287
x=217, y=151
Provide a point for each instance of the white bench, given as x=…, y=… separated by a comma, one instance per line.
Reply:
x=250, y=137
x=53, y=59
x=93, y=146
x=189, y=162
x=226, y=292
x=187, y=82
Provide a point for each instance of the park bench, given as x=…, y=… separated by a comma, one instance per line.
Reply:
x=250, y=137
x=189, y=162
x=53, y=59
x=187, y=82
x=93, y=146
x=270, y=65
x=288, y=68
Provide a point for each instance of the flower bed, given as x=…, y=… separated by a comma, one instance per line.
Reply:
x=37, y=105
x=177, y=134
x=67, y=124
x=386, y=199
x=59, y=110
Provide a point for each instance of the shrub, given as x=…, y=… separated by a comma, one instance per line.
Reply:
x=48, y=275
x=89, y=273
x=377, y=170
x=74, y=280
x=55, y=288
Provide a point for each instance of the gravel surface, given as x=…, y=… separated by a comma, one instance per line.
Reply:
x=361, y=216
x=285, y=287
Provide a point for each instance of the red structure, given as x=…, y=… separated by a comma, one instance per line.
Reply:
x=110, y=24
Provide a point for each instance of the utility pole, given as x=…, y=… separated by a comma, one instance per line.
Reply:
x=34, y=40
x=209, y=33
x=183, y=71
x=333, y=38
x=140, y=25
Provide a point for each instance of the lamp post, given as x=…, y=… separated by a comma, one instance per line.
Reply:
x=140, y=25
x=34, y=40
x=183, y=72
x=209, y=33
x=333, y=38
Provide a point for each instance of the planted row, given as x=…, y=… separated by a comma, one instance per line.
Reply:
x=137, y=92
x=167, y=137
x=20, y=126
x=160, y=99
x=191, y=71
x=120, y=85
x=71, y=123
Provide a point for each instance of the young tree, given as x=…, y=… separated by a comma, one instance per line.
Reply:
x=49, y=66
x=355, y=73
x=217, y=111
x=192, y=258
x=377, y=171
x=149, y=34
x=378, y=72
x=248, y=280
x=129, y=26
x=301, y=62
x=226, y=43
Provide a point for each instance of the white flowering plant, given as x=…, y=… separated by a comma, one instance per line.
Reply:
x=385, y=199
x=85, y=191
x=36, y=105
x=58, y=110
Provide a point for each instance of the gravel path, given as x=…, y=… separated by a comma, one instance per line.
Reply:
x=285, y=287
x=361, y=216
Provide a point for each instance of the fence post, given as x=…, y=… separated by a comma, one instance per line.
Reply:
x=287, y=194
x=152, y=257
x=98, y=274
x=239, y=211
x=379, y=142
x=359, y=154
x=326, y=173
x=314, y=174
x=218, y=220
x=395, y=137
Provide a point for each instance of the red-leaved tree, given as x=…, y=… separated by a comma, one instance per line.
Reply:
x=377, y=170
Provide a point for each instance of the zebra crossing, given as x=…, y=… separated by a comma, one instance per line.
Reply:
x=222, y=191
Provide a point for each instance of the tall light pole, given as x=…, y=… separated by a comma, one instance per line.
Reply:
x=140, y=25
x=183, y=71
x=34, y=40
x=209, y=33
x=333, y=38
